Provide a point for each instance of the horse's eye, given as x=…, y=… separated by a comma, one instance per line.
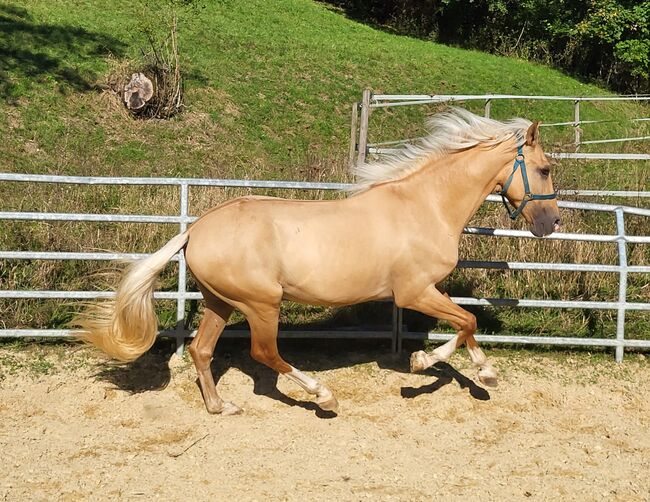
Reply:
x=545, y=171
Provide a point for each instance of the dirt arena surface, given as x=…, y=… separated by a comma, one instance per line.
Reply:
x=559, y=427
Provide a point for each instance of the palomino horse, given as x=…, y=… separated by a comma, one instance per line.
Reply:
x=396, y=237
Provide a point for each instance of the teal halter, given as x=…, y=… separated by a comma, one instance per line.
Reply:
x=528, y=196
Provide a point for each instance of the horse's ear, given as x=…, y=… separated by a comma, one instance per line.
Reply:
x=532, y=135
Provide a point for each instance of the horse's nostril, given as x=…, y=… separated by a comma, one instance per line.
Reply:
x=557, y=224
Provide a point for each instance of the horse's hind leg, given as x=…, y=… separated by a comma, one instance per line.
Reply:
x=202, y=348
x=437, y=304
x=264, y=348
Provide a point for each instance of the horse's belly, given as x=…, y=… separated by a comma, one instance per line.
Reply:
x=336, y=293
x=339, y=270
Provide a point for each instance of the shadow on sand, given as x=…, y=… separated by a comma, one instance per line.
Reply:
x=151, y=372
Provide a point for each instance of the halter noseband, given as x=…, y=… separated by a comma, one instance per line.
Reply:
x=528, y=196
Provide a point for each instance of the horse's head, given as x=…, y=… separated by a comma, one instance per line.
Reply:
x=527, y=184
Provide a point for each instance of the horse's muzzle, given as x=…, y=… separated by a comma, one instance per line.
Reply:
x=545, y=222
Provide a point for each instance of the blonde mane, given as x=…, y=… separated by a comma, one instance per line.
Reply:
x=449, y=131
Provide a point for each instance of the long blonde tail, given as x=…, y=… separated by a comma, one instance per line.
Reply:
x=126, y=327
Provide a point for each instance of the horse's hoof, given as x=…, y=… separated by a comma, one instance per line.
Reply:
x=419, y=361
x=224, y=408
x=230, y=409
x=330, y=404
x=214, y=408
x=488, y=377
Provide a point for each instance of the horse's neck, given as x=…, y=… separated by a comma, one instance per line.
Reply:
x=453, y=187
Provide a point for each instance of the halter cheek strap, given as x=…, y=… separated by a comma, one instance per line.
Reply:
x=520, y=164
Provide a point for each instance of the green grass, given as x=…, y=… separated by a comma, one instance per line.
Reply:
x=267, y=82
x=269, y=87
x=35, y=359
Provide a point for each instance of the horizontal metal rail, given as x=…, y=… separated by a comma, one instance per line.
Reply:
x=495, y=232
x=122, y=218
x=551, y=266
x=209, y=182
x=223, y=183
x=500, y=265
x=537, y=340
x=111, y=218
x=79, y=255
x=487, y=302
x=603, y=193
x=572, y=123
x=599, y=156
x=590, y=206
x=615, y=140
x=553, y=155
x=89, y=295
x=228, y=333
x=498, y=232
x=392, y=99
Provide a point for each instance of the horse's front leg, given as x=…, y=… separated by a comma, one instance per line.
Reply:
x=436, y=304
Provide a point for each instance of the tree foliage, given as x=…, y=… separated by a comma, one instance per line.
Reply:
x=608, y=40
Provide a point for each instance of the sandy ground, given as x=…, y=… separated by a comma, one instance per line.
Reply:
x=559, y=427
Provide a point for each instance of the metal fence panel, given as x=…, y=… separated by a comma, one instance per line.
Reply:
x=181, y=295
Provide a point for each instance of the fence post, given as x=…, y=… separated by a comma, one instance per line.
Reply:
x=576, y=122
x=353, y=133
x=488, y=108
x=622, y=284
x=182, y=277
x=363, y=126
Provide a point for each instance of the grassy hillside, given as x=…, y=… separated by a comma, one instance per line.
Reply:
x=269, y=86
